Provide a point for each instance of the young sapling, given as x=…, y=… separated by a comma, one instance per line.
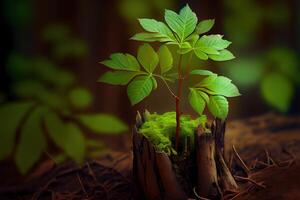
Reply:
x=183, y=32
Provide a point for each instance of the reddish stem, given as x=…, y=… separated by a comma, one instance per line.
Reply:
x=178, y=99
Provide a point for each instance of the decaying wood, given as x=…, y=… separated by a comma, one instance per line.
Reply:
x=157, y=175
x=206, y=165
x=153, y=172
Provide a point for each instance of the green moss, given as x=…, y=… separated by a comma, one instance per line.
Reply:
x=160, y=129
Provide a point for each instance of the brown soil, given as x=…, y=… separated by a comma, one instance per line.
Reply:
x=269, y=145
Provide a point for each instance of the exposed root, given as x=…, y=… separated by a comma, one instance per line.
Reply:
x=240, y=160
x=259, y=185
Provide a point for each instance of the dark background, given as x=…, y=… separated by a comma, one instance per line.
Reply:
x=106, y=26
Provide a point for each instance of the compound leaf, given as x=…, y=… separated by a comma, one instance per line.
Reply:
x=183, y=24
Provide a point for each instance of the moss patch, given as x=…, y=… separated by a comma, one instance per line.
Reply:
x=160, y=129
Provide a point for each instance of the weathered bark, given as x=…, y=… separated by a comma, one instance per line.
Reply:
x=206, y=166
x=153, y=172
x=226, y=180
x=157, y=175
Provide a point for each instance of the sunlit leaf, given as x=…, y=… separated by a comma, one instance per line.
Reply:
x=139, y=88
x=32, y=142
x=149, y=37
x=165, y=59
x=184, y=48
x=204, y=26
x=118, y=77
x=200, y=54
x=147, y=57
x=196, y=101
x=223, y=86
x=218, y=106
x=215, y=42
x=11, y=115
x=162, y=31
x=222, y=56
x=183, y=24
x=120, y=61
x=202, y=72
x=103, y=123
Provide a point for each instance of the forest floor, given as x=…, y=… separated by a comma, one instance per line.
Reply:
x=267, y=147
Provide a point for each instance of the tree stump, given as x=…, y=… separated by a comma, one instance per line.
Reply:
x=202, y=172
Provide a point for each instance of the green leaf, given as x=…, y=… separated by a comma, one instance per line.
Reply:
x=147, y=57
x=213, y=41
x=204, y=26
x=200, y=54
x=183, y=24
x=193, y=39
x=80, y=97
x=149, y=37
x=196, y=101
x=161, y=29
x=218, y=106
x=32, y=142
x=222, y=56
x=207, y=81
x=222, y=86
x=75, y=145
x=139, y=88
x=184, y=48
x=120, y=61
x=11, y=115
x=165, y=59
x=278, y=91
x=103, y=123
x=68, y=137
x=118, y=77
x=202, y=72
